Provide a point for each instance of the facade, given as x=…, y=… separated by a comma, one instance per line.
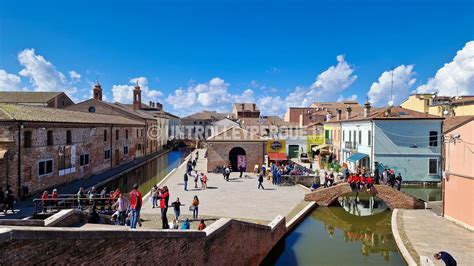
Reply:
x=43, y=147
x=152, y=142
x=444, y=106
x=459, y=170
x=199, y=125
x=406, y=141
x=46, y=99
x=235, y=147
x=243, y=110
x=332, y=137
x=315, y=139
x=224, y=124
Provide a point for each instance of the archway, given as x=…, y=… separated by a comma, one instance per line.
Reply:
x=237, y=157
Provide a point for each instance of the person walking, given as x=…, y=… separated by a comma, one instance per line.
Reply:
x=385, y=176
x=177, y=208
x=227, y=173
x=391, y=178
x=135, y=205
x=121, y=205
x=164, y=199
x=80, y=198
x=186, y=178
x=9, y=200
x=44, y=201
x=196, y=177
x=260, y=181
x=399, y=180
x=197, y=155
x=194, y=164
x=204, y=181
x=54, y=199
x=195, y=207
x=154, y=196
x=446, y=258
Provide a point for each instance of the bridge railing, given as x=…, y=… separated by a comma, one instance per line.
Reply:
x=69, y=201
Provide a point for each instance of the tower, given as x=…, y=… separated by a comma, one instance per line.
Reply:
x=97, y=91
x=137, y=97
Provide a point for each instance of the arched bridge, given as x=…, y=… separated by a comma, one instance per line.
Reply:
x=393, y=198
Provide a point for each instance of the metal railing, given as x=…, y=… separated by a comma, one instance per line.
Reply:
x=70, y=201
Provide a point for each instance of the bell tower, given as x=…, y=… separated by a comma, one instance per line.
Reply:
x=137, y=97
x=97, y=91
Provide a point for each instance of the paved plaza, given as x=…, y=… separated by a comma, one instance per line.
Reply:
x=238, y=198
x=425, y=233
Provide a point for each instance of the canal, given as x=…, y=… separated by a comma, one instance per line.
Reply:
x=149, y=174
x=359, y=233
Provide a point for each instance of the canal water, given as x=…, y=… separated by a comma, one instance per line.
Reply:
x=357, y=234
x=149, y=174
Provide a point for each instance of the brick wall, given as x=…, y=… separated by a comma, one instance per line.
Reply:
x=225, y=242
x=87, y=139
x=218, y=153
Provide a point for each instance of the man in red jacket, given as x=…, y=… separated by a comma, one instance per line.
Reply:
x=135, y=205
x=164, y=198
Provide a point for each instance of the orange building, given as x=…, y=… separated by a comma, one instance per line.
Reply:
x=459, y=170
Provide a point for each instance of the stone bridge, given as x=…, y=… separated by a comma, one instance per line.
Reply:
x=393, y=198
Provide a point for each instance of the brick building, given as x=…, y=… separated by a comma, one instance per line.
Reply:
x=234, y=147
x=137, y=111
x=43, y=147
x=241, y=110
x=38, y=98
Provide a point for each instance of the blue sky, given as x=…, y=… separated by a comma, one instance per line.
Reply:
x=193, y=55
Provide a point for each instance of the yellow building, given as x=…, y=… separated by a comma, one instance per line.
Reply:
x=314, y=138
x=440, y=105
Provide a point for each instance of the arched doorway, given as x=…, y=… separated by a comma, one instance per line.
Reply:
x=237, y=157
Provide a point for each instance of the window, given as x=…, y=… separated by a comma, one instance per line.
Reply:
x=350, y=136
x=369, y=140
x=360, y=137
x=68, y=137
x=142, y=132
x=105, y=135
x=433, y=138
x=125, y=150
x=92, y=109
x=137, y=132
x=50, y=140
x=84, y=159
x=355, y=137
x=343, y=135
x=326, y=134
x=45, y=167
x=139, y=147
x=27, y=139
x=126, y=134
x=107, y=154
x=116, y=134
x=433, y=167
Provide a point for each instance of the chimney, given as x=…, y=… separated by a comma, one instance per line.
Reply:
x=254, y=107
x=137, y=97
x=349, y=111
x=97, y=91
x=243, y=106
x=338, y=114
x=150, y=103
x=367, y=109
x=388, y=112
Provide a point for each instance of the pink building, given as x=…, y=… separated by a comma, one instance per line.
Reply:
x=459, y=170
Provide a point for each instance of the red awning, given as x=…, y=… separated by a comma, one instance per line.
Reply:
x=276, y=156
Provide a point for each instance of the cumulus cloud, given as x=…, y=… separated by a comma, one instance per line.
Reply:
x=403, y=81
x=212, y=95
x=328, y=86
x=9, y=82
x=456, y=77
x=42, y=73
x=124, y=93
x=75, y=77
x=341, y=98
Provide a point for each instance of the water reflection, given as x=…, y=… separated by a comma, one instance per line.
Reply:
x=149, y=174
x=432, y=193
x=362, y=204
x=333, y=236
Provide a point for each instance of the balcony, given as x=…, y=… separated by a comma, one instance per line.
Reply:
x=350, y=145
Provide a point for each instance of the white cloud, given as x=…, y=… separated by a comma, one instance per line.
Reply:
x=75, y=77
x=456, y=77
x=212, y=95
x=42, y=73
x=9, y=82
x=341, y=98
x=328, y=86
x=403, y=81
x=124, y=93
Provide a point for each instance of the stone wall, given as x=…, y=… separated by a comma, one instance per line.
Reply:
x=393, y=198
x=225, y=242
x=218, y=153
